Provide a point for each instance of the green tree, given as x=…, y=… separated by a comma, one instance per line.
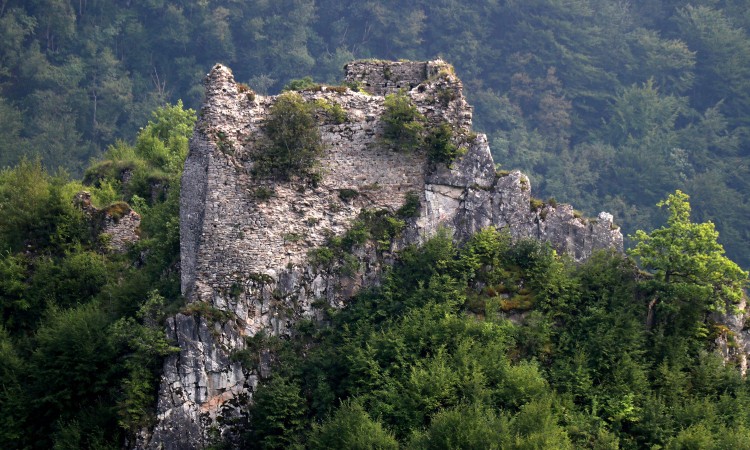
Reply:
x=277, y=414
x=352, y=428
x=465, y=426
x=687, y=256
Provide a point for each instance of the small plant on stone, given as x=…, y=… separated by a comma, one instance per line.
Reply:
x=348, y=194
x=536, y=204
x=242, y=88
x=292, y=237
x=410, y=207
x=263, y=193
x=332, y=111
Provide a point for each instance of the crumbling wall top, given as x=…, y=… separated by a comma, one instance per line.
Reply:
x=385, y=77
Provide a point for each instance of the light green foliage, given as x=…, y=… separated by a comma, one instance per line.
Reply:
x=144, y=344
x=294, y=144
x=149, y=168
x=332, y=111
x=403, y=123
x=352, y=428
x=471, y=426
x=685, y=253
x=301, y=84
x=163, y=143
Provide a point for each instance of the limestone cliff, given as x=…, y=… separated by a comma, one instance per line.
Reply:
x=244, y=255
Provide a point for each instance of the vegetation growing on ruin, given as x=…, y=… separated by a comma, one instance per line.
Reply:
x=441, y=148
x=294, y=145
x=493, y=343
x=502, y=344
x=404, y=124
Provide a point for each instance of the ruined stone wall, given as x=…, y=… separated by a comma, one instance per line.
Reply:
x=386, y=77
x=245, y=255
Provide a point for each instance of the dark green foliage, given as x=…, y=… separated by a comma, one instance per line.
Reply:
x=82, y=342
x=294, y=145
x=348, y=194
x=264, y=193
x=71, y=367
x=403, y=123
x=578, y=371
x=466, y=426
x=410, y=207
x=277, y=415
x=440, y=146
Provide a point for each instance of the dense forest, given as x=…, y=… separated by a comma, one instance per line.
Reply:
x=493, y=344
x=605, y=104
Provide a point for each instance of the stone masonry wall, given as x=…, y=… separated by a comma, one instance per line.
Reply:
x=245, y=255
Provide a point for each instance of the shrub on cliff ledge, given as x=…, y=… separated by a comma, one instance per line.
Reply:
x=440, y=146
x=294, y=142
x=403, y=122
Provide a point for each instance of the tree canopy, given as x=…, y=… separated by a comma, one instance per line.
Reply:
x=687, y=253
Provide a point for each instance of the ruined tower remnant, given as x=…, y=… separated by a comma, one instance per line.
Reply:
x=245, y=239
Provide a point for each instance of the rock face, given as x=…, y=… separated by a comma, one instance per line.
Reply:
x=244, y=253
x=118, y=222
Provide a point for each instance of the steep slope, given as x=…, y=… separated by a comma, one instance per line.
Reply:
x=246, y=240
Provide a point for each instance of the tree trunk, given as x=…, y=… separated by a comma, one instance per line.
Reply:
x=650, y=316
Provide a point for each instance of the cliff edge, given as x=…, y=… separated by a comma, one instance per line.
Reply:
x=246, y=239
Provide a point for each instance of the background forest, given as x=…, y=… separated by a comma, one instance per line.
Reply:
x=606, y=104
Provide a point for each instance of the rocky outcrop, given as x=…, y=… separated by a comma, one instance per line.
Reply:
x=245, y=240
x=116, y=226
x=731, y=335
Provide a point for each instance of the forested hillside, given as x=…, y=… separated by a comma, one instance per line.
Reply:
x=605, y=104
x=493, y=344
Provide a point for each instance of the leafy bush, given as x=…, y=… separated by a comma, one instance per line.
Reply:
x=351, y=427
x=294, y=143
x=301, y=84
x=332, y=110
x=410, y=208
x=404, y=124
x=348, y=194
x=440, y=146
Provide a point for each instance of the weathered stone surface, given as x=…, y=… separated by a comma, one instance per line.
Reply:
x=247, y=257
x=732, y=336
x=118, y=222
